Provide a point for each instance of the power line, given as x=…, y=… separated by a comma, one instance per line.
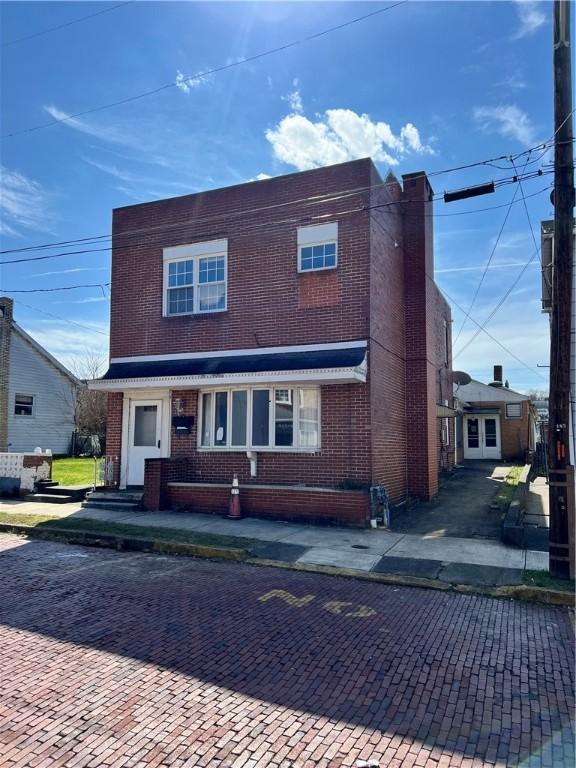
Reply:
x=457, y=305
x=179, y=227
x=57, y=317
x=206, y=73
x=486, y=268
x=50, y=290
x=66, y=24
x=313, y=199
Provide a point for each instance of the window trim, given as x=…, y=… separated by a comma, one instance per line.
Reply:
x=513, y=418
x=305, y=243
x=271, y=421
x=30, y=415
x=194, y=253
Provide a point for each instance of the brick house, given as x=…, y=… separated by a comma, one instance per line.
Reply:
x=494, y=421
x=288, y=331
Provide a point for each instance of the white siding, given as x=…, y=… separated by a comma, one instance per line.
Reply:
x=573, y=365
x=52, y=423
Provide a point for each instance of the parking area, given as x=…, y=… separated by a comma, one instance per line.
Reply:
x=462, y=507
x=119, y=659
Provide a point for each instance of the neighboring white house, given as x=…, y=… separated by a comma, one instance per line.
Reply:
x=37, y=393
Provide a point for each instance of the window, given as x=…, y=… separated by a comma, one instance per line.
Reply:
x=195, y=278
x=513, y=410
x=261, y=419
x=24, y=405
x=318, y=247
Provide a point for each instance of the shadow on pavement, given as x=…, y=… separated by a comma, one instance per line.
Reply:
x=470, y=675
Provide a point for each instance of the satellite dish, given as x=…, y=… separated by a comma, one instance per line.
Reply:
x=461, y=378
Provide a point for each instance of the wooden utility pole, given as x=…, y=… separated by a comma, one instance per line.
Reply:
x=561, y=472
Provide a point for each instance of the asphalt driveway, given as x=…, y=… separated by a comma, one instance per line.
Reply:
x=462, y=507
x=141, y=661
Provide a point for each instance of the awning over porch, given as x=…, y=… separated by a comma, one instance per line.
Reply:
x=343, y=362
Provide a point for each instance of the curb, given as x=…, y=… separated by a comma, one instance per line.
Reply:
x=140, y=544
x=126, y=543
x=514, y=592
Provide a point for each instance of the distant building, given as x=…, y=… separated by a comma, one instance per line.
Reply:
x=37, y=393
x=493, y=421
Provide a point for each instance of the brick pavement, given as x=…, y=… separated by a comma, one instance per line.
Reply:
x=114, y=659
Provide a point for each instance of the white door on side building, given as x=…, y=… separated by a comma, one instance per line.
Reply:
x=482, y=437
x=144, y=437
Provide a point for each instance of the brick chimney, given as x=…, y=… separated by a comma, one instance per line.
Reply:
x=6, y=310
x=421, y=375
x=497, y=376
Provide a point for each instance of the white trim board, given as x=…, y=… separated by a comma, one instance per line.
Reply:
x=320, y=376
x=241, y=352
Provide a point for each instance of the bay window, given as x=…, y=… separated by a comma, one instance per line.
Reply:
x=260, y=418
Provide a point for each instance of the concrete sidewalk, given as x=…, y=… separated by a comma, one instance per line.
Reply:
x=455, y=560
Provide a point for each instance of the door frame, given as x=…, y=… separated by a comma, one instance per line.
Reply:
x=162, y=395
x=481, y=417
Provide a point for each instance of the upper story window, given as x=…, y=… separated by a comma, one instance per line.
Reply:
x=24, y=405
x=195, y=278
x=318, y=247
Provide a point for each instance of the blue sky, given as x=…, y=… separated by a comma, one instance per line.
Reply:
x=424, y=86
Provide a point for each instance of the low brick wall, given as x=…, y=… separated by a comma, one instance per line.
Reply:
x=280, y=502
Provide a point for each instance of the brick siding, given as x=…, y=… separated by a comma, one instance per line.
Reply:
x=382, y=432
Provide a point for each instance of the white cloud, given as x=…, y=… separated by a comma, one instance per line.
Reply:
x=481, y=267
x=507, y=120
x=531, y=16
x=67, y=271
x=186, y=84
x=340, y=135
x=70, y=344
x=23, y=203
x=100, y=132
x=294, y=99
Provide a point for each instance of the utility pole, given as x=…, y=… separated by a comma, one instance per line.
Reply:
x=561, y=473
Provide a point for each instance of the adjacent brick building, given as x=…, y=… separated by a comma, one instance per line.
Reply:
x=288, y=331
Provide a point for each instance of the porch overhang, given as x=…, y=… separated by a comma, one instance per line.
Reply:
x=342, y=363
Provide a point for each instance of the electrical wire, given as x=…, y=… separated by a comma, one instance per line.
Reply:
x=457, y=305
x=179, y=227
x=205, y=73
x=58, y=317
x=66, y=24
x=60, y=288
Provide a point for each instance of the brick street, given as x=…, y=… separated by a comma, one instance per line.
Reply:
x=120, y=659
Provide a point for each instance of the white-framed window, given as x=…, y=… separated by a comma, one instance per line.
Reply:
x=513, y=410
x=318, y=247
x=195, y=278
x=23, y=405
x=282, y=418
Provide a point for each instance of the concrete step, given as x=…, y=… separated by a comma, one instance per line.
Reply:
x=50, y=498
x=112, y=506
x=75, y=492
x=42, y=484
x=119, y=497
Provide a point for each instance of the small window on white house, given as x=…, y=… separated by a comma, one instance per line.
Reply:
x=318, y=247
x=195, y=278
x=24, y=405
x=513, y=410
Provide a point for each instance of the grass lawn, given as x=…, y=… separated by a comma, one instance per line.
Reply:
x=543, y=579
x=504, y=495
x=119, y=529
x=73, y=471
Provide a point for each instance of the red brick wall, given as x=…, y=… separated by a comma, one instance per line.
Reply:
x=306, y=505
x=114, y=430
x=387, y=371
x=344, y=455
x=269, y=302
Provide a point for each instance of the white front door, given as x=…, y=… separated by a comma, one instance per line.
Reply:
x=482, y=437
x=144, y=437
